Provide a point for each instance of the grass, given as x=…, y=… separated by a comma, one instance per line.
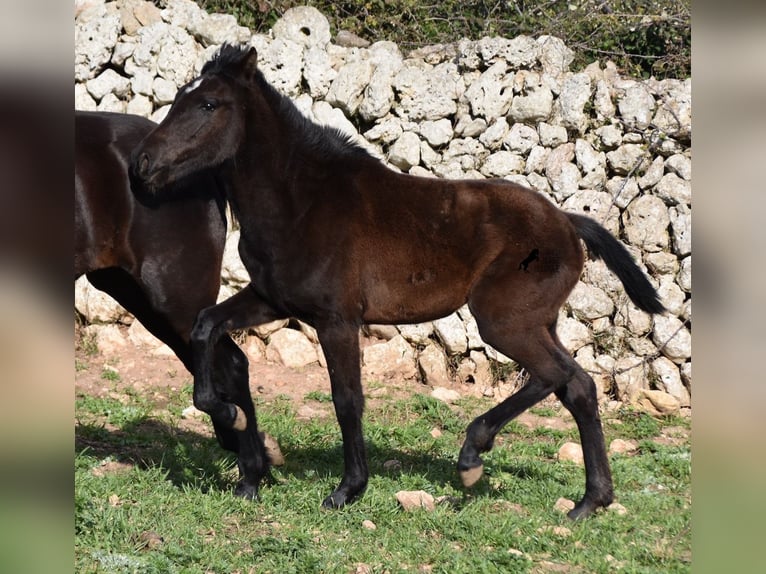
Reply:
x=151, y=496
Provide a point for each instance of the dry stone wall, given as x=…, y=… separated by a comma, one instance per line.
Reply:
x=614, y=147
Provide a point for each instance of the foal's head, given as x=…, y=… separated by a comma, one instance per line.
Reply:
x=205, y=125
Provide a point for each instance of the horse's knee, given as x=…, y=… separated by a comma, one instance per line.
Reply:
x=203, y=328
x=205, y=400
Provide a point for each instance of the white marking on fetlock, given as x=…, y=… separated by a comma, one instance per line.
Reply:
x=471, y=476
x=240, y=421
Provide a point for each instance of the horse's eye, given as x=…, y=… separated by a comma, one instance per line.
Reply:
x=208, y=106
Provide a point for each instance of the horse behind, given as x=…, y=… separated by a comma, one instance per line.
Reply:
x=144, y=255
x=334, y=238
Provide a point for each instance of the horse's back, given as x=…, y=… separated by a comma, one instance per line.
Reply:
x=471, y=217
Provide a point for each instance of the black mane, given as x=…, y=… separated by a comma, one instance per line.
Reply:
x=313, y=139
x=227, y=55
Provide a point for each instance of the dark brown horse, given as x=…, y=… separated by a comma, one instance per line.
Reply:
x=334, y=238
x=161, y=262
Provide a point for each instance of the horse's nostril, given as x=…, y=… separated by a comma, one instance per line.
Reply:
x=143, y=163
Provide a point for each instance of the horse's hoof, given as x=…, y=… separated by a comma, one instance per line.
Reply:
x=334, y=501
x=340, y=498
x=240, y=420
x=471, y=476
x=585, y=508
x=246, y=491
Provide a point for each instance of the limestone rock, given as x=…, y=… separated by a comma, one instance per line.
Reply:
x=572, y=452
x=668, y=378
x=630, y=377
x=347, y=89
x=141, y=337
x=575, y=93
x=491, y=94
x=108, y=82
x=646, y=223
x=572, y=333
x=379, y=93
x=96, y=32
x=107, y=338
x=681, y=229
x=555, y=57
x=451, y=332
x=417, y=334
x=433, y=366
x=673, y=189
x=405, y=152
x=95, y=305
x=411, y=500
x=292, y=348
x=673, y=338
x=535, y=103
x=318, y=71
x=392, y=359
x=627, y=158
x=216, y=29
x=621, y=446
x=426, y=92
x=589, y=302
x=281, y=62
x=304, y=25
x=636, y=104
x=446, y=395
x=659, y=403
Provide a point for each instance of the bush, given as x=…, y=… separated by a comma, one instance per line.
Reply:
x=643, y=37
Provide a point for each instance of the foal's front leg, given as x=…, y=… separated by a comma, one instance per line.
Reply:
x=340, y=344
x=233, y=414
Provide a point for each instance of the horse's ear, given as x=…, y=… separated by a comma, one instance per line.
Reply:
x=250, y=64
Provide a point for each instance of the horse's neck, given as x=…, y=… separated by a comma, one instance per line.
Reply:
x=264, y=171
x=260, y=195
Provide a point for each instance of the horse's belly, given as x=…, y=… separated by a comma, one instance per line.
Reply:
x=420, y=296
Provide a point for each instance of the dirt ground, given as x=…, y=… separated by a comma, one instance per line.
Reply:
x=157, y=375
x=154, y=373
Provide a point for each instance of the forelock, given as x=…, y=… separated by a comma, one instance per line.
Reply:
x=227, y=56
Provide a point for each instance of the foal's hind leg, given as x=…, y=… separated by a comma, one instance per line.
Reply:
x=551, y=369
x=225, y=394
x=548, y=369
x=340, y=344
x=579, y=397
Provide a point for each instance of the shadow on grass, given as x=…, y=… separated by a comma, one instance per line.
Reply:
x=195, y=460
x=189, y=458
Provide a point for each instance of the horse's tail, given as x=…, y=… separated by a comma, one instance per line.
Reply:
x=602, y=245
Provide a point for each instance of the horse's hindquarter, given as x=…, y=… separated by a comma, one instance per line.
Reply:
x=429, y=242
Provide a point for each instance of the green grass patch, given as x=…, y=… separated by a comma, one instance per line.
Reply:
x=153, y=497
x=319, y=396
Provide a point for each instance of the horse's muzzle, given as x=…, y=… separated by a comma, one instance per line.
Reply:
x=144, y=180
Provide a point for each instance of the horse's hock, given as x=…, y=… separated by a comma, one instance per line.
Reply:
x=616, y=148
